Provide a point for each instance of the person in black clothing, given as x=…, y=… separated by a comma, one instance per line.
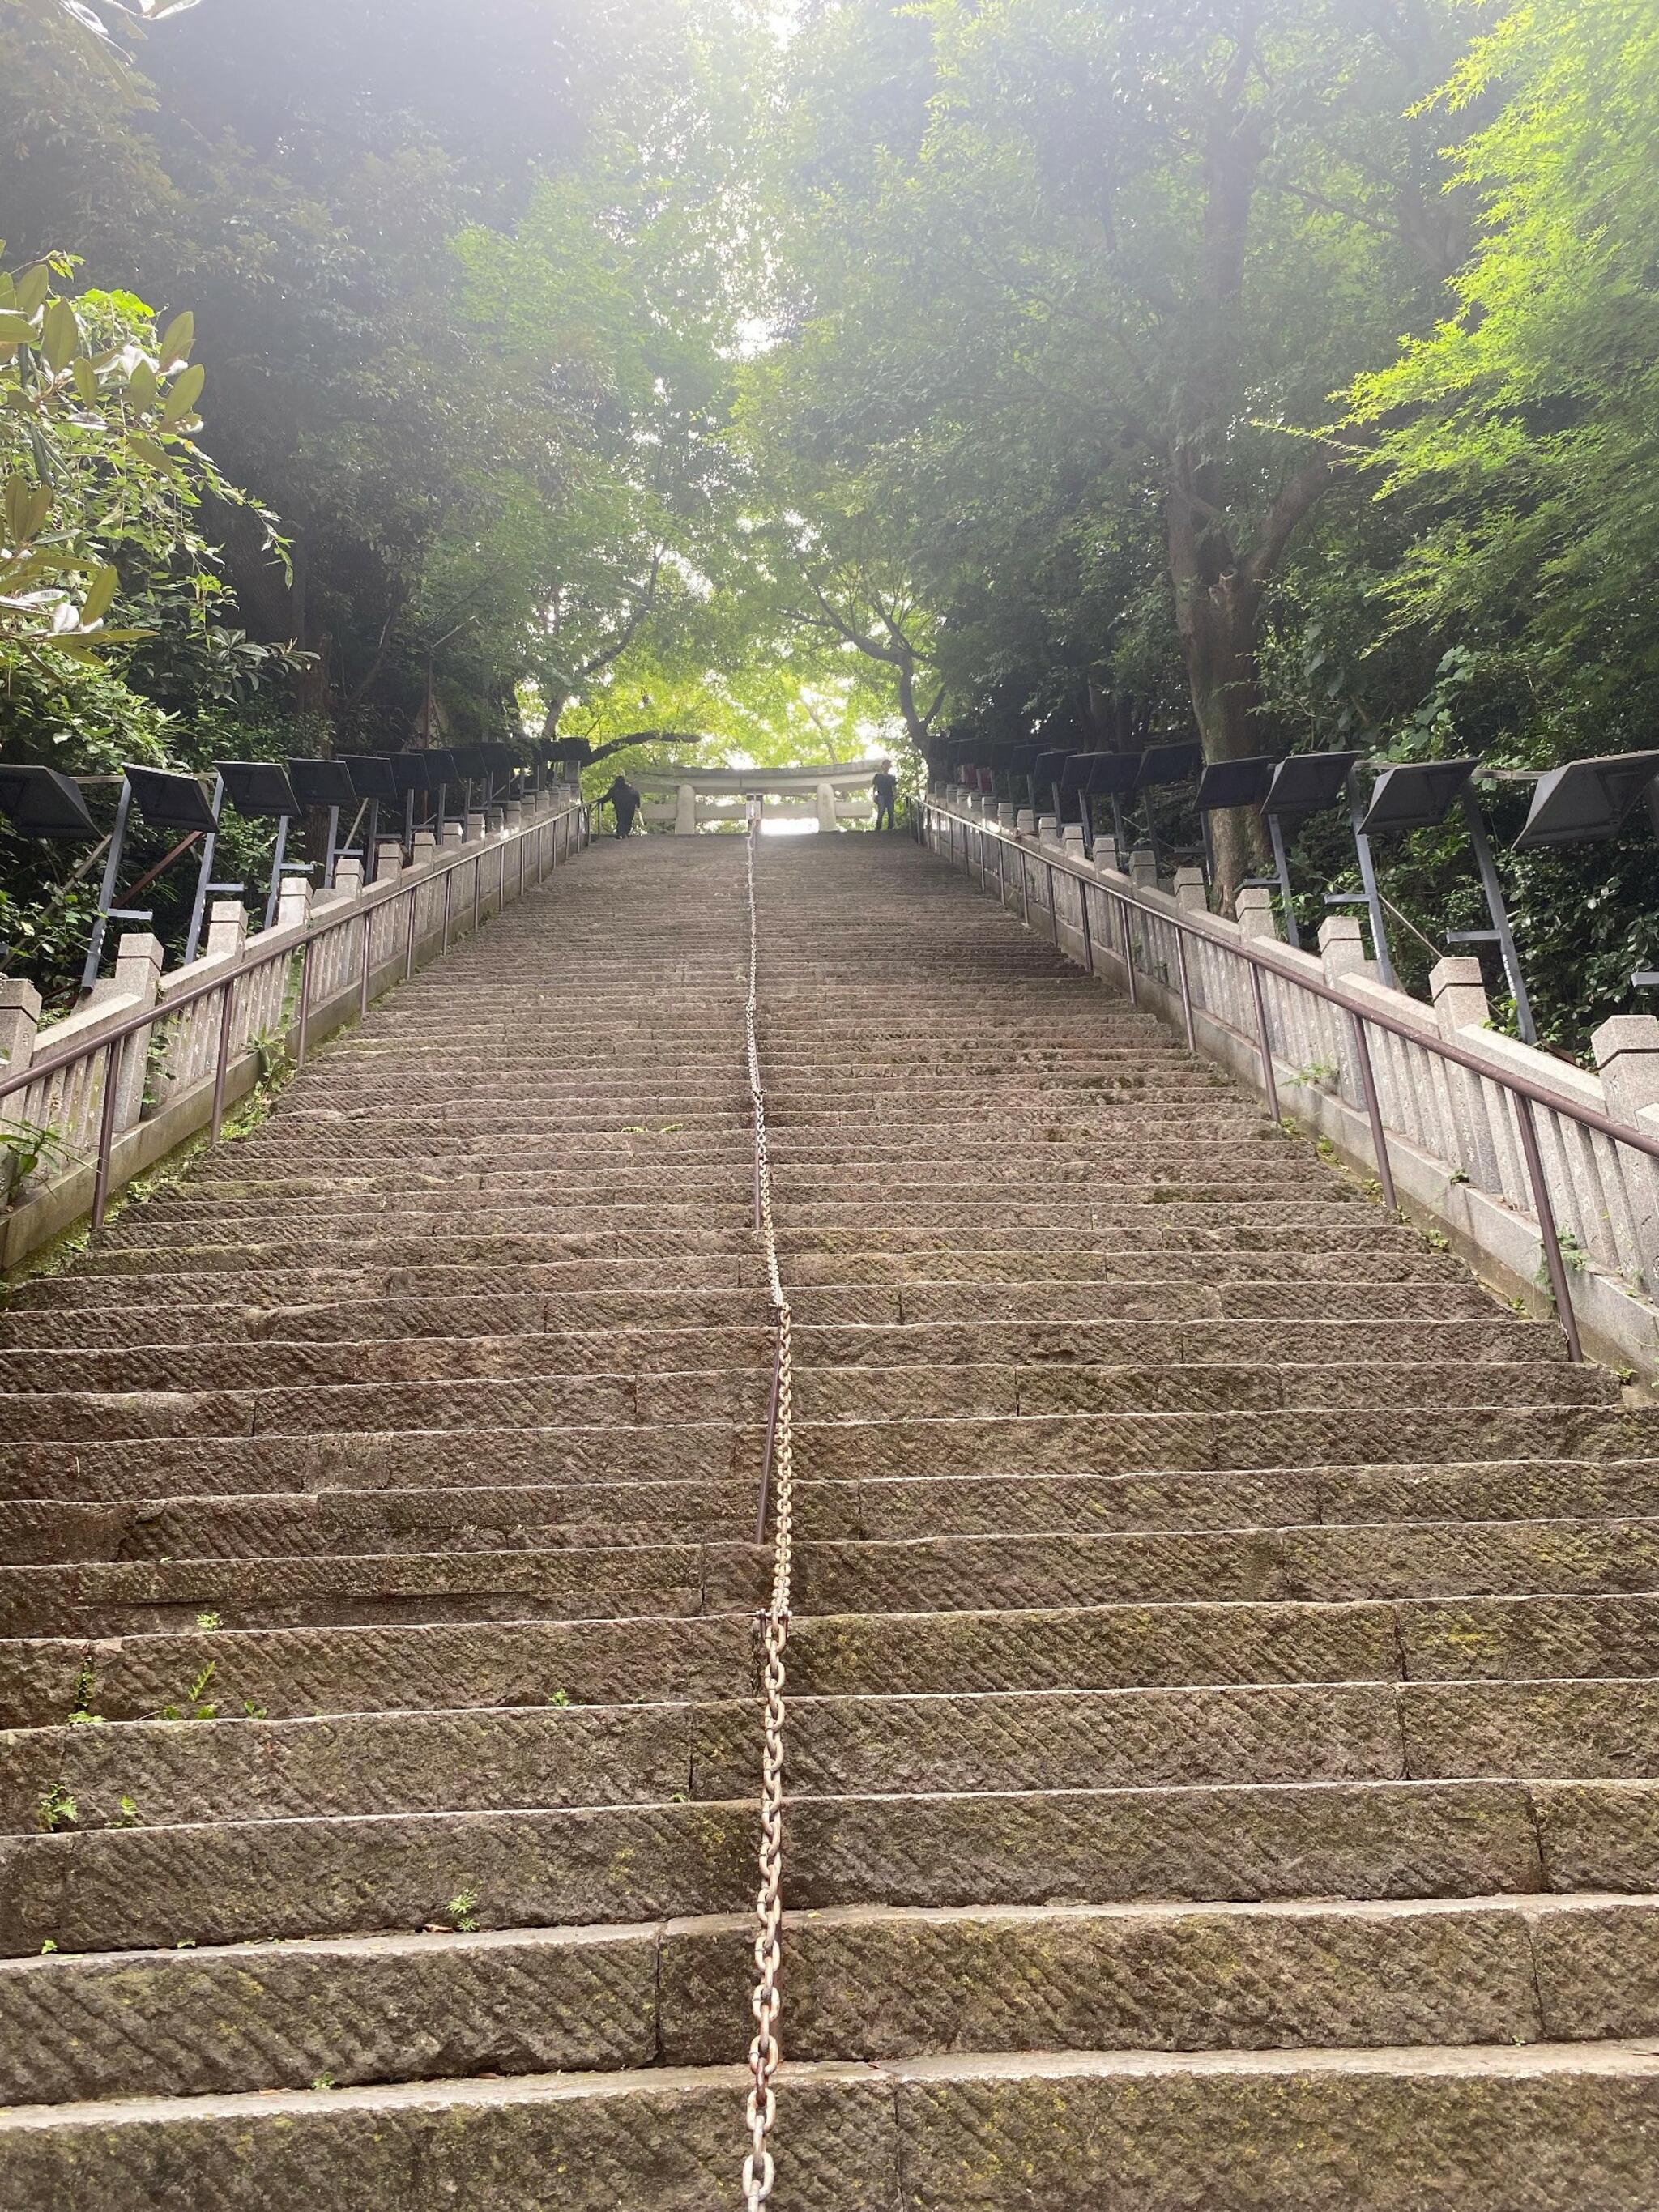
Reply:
x=622, y=796
x=884, y=784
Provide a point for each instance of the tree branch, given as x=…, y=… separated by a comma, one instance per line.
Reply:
x=1296, y=500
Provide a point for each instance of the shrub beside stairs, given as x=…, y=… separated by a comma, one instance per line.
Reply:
x=1223, y=1736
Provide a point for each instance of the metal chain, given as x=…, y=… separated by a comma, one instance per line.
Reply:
x=765, y=2051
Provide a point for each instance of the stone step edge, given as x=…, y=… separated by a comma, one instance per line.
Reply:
x=677, y=2018
x=1637, y=2057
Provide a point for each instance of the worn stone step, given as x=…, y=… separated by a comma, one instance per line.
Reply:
x=1500, y=2130
x=148, y=1228
x=534, y=1402
x=207, y=1762
x=919, y=1393
x=1357, y=1560
x=865, y=1982
x=202, y=1466
x=199, y=1467
x=213, y=1763
x=652, y=1395
x=1121, y=1442
x=692, y=1272
x=228, y=1880
x=534, y=1349
x=354, y=1321
x=416, y=1667
x=101, y=1599
x=528, y=1516
x=36, y=1319
x=509, y=1663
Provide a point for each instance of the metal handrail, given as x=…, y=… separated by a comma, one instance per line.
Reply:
x=109, y=1041
x=1526, y=1092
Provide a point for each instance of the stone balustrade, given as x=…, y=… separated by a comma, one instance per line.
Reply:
x=1453, y=1137
x=166, y=1072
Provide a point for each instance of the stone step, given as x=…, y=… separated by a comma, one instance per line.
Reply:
x=229, y=1881
x=531, y=1515
x=1038, y=1442
x=292, y=1673
x=38, y=1318
x=1378, y=1559
x=1498, y=2128
x=197, y=1768
x=1180, y=1444
x=1313, y=1242
x=200, y=1766
x=864, y=1452
x=237, y=1185
x=865, y=1982
x=968, y=1573
x=536, y=1350
x=841, y=1198
x=913, y=1393
x=572, y=1583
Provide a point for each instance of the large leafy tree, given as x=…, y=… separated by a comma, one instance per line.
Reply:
x=1111, y=264
x=1522, y=435
x=454, y=279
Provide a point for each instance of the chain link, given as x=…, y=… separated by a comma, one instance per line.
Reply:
x=765, y=2051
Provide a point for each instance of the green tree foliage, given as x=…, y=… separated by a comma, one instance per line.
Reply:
x=1105, y=267
x=1523, y=433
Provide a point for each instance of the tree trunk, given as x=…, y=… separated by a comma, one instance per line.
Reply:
x=1217, y=615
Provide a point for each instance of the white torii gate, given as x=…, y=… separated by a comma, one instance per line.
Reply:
x=690, y=797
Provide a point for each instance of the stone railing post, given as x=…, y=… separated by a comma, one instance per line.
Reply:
x=1190, y=893
x=137, y=976
x=1142, y=868
x=1459, y=992
x=1627, y=1050
x=1342, y=947
x=19, y=1021
x=1341, y=954
x=227, y=935
x=685, y=810
x=1255, y=908
x=294, y=901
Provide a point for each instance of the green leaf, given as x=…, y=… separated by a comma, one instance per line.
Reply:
x=26, y=507
x=142, y=386
x=60, y=334
x=177, y=340
x=31, y=288
x=151, y=451
x=86, y=381
x=181, y=400
x=101, y=594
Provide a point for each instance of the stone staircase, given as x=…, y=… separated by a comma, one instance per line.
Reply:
x=1221, y=1718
